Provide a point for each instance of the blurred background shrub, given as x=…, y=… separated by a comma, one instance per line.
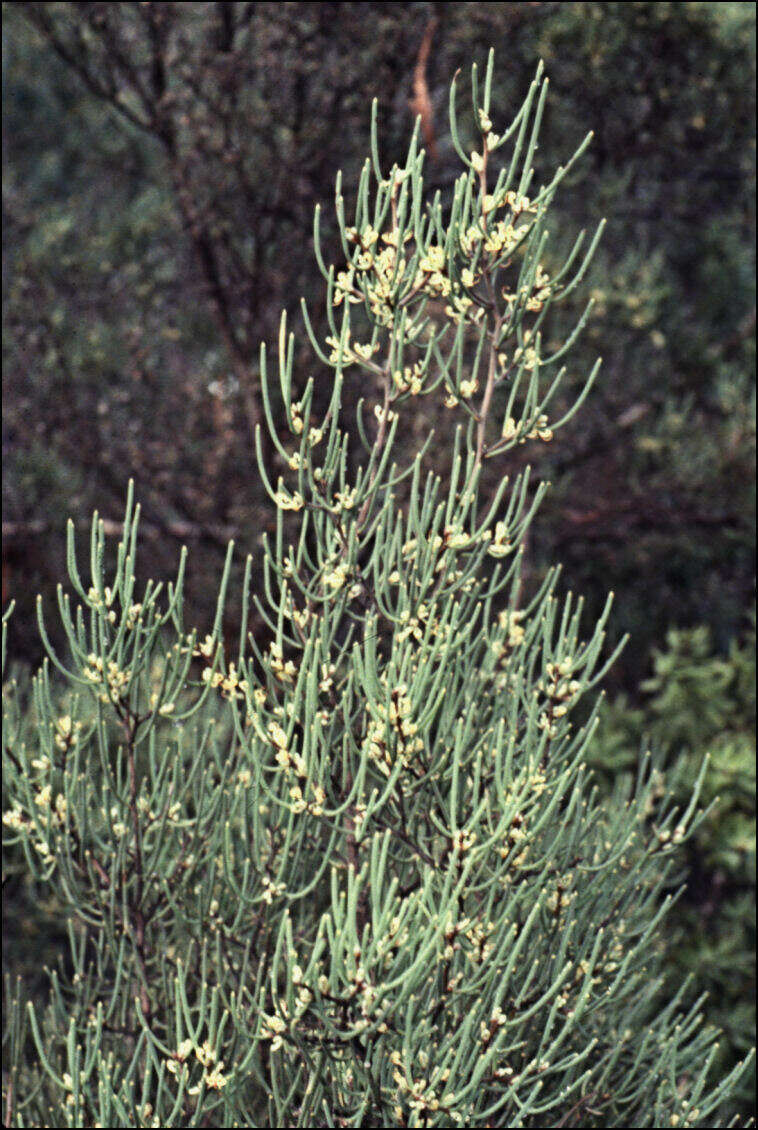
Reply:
x=162, y=162
x=696, y=703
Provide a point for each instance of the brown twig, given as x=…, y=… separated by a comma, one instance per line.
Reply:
x=421, y=103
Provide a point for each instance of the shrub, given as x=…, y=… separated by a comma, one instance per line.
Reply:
x=356, y=873
x=696, y=704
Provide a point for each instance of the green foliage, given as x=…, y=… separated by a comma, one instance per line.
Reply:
x=696, y=704
x=354, y=871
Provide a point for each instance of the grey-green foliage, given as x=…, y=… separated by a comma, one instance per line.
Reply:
x=360, y=876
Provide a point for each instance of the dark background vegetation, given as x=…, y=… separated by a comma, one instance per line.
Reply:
x=161, y=165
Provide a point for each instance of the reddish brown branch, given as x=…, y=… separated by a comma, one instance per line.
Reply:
x=421, y=103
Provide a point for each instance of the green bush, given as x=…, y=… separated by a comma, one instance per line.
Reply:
x=353, y=871
x=700, y=704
